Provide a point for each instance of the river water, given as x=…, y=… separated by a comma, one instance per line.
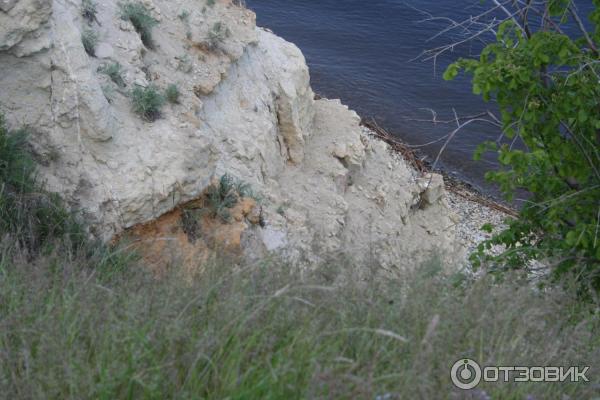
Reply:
x=364, y=51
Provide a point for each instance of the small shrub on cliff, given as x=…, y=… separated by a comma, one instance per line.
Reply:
x=184, y=64
x=217, y=35
x=223, y=196
x=172, y=93
x=147, y=102
x=89, y=39
x=142, y=21
x=115, y=72
x=89, y=10
x=184, y=15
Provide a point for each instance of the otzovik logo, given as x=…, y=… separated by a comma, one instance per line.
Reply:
x=467, y=374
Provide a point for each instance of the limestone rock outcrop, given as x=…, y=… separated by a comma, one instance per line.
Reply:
x=246, y=109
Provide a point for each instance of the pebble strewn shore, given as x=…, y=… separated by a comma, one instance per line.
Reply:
x=472, y=209
x=472, y=215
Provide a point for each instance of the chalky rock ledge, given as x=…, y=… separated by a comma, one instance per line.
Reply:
x=246, y=110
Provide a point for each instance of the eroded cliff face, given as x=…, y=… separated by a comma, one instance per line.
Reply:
x=246, y=109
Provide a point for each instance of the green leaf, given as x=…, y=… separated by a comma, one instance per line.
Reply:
x=451, y=72
x=487, y=228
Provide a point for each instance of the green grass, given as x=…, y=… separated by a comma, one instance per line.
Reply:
x=217, y=35
x=184, y=15
x=89, y=9
x=223, y=196
x=172, y=93
x=184, y=63
x=142, y=21
x=89, y=39
x=115, y=72
x=32, y=217
x=270, y=331
x=147, y=102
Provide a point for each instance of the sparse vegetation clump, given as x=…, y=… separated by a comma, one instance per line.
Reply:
x=29, y=215
x=115, y=72
x=89, y=39
x=142, y=21
x=33, y=220
x=217, y=35
x=184, y=15
x=172, y=93
x=89, y=9
x=184, y=64
x=109, y=93
x=223, y=196
x=147, y=102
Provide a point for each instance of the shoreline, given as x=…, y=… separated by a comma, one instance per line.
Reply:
x=471, y=207
x=452, y=183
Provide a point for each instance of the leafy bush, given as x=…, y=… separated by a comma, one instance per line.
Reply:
x=546, y=86
x=172, y=93
x=89, y=10
x=89, y=38
x=147, y=102
x=115, y=72
x=142, y=21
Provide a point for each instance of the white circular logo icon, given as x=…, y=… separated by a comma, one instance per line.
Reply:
x=465, y=374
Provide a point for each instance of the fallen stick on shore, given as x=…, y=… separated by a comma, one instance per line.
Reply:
x=460, y=188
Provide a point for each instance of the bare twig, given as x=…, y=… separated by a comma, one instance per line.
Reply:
x=581, y=27
x=511, y=15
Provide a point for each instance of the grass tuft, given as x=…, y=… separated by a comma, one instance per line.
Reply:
x=172, y=94
x=225, y=195
x=184, y=15
x=115, y=72
x=89, y=38
x=35, y=221
x=217, y=35
x=89, y=9
x=147, y=102
x=142, y=21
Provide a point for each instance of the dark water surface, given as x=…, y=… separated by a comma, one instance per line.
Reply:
x=361, y=51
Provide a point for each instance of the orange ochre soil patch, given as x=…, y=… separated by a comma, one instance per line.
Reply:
x=188, y=238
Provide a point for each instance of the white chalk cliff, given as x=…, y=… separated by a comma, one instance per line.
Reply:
x=246, y=109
